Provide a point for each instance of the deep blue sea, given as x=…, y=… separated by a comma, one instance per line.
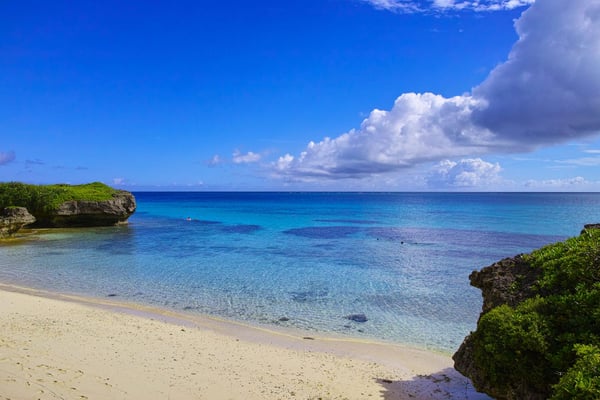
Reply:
x=306, y=260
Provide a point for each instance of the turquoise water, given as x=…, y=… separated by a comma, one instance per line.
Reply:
x=306, y=260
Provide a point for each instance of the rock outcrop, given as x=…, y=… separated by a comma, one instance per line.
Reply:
x=508, y=281
x=82, y=213
x=590, y=226
x=12, y=219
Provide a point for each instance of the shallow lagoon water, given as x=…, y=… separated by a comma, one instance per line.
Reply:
x=305, y=260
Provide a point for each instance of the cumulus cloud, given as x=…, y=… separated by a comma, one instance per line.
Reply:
x=250, y=157
x=419, y=128
x=7, y=157
x=414, y=6
x=467, y=173
x=548, y=91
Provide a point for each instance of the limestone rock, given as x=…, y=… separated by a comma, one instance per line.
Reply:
x=12, y=219
x=79, y=213
x=508, y=281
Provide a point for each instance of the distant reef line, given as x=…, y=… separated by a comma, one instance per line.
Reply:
x=62, y=206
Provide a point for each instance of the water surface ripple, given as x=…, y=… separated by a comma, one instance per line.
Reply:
x=306, y=260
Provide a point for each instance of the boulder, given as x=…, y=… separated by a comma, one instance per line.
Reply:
x=12, y=219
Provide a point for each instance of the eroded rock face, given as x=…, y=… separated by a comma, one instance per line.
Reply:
x=12, y=219
x=80, y=213
x=508, y=281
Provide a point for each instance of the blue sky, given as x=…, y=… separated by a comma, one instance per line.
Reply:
x=302, y=95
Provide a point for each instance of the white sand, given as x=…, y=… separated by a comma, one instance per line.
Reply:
x=62, y=347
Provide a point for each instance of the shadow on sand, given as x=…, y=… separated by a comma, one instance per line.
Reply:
x=445, y=384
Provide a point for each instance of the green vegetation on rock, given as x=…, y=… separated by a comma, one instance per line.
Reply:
x=582, y=380
x=42, y=199
x=548, y=345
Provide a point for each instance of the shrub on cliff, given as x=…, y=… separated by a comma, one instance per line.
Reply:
x=582, y=380
x=548, y=345
x=42, y=199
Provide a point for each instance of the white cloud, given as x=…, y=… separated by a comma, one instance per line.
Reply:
x=548, y=91
x=215, y=160
x=414, y=6
x=419, y=128
x=250, y=157
x=284, y=162
x=582, y=162
x=567, y=184
x=7, y=157
x=467, y=173
x=118, y=181
x=395, y=5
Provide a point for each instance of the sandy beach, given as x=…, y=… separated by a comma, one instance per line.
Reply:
x=63, y=347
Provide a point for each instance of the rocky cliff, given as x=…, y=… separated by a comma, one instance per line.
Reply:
x=81, y=213
x=12, y=219
x=508, y=281
x=511, y=282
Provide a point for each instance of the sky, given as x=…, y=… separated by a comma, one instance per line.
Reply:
x=358, y=95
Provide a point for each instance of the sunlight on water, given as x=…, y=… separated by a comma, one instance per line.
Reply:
x=306, y=260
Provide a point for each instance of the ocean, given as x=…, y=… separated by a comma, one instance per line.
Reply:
x=390, y=267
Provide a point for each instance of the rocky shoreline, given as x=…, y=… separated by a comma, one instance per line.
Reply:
x=83, y=213
x=73, y=213
x=12, y=219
